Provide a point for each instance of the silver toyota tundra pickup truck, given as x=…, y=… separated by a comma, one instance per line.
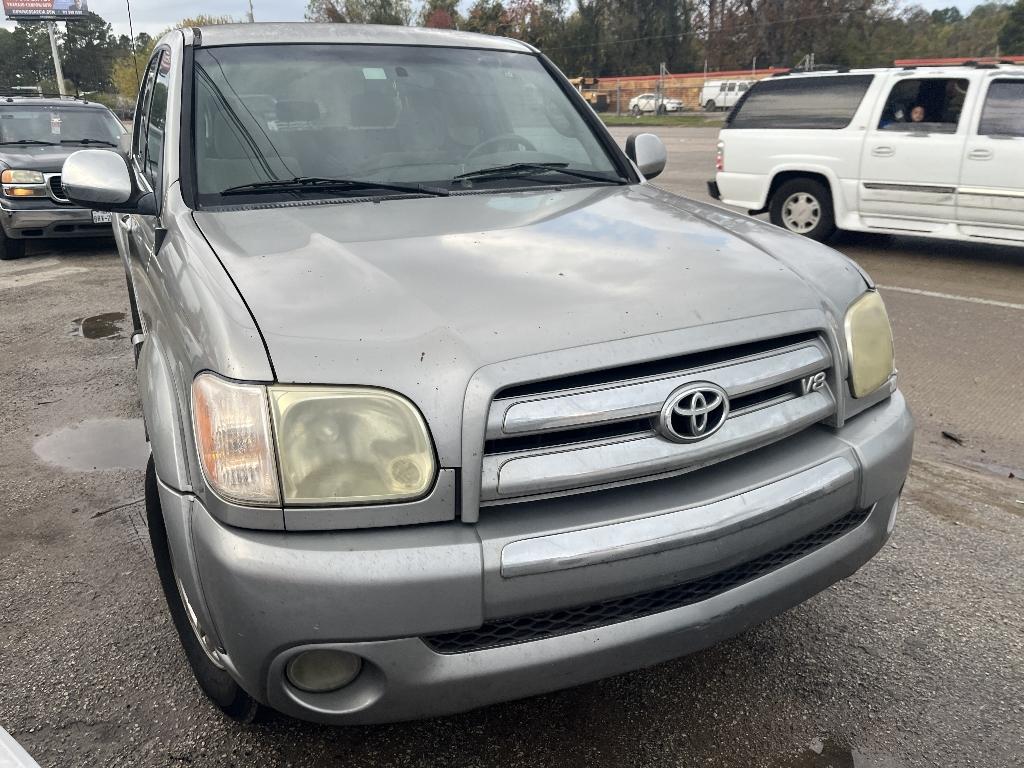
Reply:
x=448, y=404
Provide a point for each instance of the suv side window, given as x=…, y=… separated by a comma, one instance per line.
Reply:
x=826, y=102
x=931, y=104
x=1003, y=114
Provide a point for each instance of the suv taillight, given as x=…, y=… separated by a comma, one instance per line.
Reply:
x=720, y=157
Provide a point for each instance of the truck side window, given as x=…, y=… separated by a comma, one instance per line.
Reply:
x=142, y=112
x=1003, y=114
x=925, y=104
x=156, y=122
x=826, y=102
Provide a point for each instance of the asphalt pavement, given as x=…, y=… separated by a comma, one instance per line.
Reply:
x=916, y=660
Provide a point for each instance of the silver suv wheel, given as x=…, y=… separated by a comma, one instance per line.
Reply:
x=801, y=212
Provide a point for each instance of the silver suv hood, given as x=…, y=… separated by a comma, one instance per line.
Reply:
x=416, y=295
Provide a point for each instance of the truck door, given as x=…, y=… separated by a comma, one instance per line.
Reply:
x=990, y=198
x=911, y=159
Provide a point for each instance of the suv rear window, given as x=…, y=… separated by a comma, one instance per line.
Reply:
x=804, y=102
x=1004, y=109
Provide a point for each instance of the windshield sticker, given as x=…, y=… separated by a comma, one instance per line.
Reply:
x=55, y=125
x=374, y=73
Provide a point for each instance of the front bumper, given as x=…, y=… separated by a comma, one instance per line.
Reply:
x=379, y=593
x=44, y=220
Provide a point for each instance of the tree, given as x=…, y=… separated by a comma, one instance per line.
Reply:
x=488, y=17
x=1011, y=36
x=395, y=12
x=440, y=14
x=88, y=52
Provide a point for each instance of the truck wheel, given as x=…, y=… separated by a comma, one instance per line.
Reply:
x=804, y=206
x=710, y=106
x=200, y=652
x=10, y=248
x=635, y=111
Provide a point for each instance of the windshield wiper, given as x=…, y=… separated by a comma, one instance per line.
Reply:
x=89, y=141
x=516, y=170
x=31, y=141
x=317, y=183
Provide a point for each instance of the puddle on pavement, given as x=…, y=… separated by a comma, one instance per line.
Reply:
x=96, y=445
x=108, y=325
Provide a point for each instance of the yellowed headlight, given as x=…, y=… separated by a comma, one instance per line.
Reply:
x=868, y=344
x=18, y=176
x=232, y=426
x=350, y=445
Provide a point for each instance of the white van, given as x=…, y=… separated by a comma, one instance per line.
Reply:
x=723, y=94
x=927, y=151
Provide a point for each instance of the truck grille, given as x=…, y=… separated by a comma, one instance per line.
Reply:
x=601, y=429
x=57, y=189
x=523, y=629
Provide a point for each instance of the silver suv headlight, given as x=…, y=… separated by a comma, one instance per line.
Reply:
x=868, y=344
x=334, y=445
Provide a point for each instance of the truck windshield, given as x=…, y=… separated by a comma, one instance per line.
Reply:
x=52, y=124
x=398, y=115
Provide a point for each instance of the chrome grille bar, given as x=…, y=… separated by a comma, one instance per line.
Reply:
x=645, y=397
x=530, y=473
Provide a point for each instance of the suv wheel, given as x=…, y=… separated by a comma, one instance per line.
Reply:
x=710, y=106
x=804, y=206
x=10, y=248
x=200, y=651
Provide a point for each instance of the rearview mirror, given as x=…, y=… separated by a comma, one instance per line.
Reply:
x=100, y=179
x=647, y=151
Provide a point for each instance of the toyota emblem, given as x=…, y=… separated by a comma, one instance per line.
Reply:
x=694, y=412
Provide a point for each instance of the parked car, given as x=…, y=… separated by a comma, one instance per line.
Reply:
x=652, y=102
x=933, y=152
x=447, y=404
x=723, y=94
x=36, y=135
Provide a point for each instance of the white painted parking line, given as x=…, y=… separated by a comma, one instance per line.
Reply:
x=952, y=297
x=25, y=279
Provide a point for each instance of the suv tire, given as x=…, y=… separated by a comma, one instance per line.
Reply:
x=10, y=248
x=804, y=207
x=216, y=683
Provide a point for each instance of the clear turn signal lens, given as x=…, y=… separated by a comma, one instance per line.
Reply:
x=350, y=445
x=232, y=426
x=868, y=344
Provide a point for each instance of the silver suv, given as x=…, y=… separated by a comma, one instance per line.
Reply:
x=447, y=403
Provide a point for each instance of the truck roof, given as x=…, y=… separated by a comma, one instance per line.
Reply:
x=375, y=34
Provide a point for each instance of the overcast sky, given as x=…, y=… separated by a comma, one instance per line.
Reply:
x=154, y=16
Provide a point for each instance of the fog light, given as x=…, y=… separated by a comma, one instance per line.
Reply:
x=889, y=526
x=323, y=670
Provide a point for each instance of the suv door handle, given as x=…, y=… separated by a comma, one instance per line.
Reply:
x=883, y=151
x=980, y=154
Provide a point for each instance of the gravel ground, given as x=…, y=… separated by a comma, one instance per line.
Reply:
x=917, y=660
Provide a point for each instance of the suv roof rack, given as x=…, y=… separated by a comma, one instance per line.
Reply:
x=7, y=92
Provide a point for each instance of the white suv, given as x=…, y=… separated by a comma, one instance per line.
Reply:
x=934, y=151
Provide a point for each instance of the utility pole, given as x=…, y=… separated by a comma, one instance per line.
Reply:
x=51, y=27
x=252, y=19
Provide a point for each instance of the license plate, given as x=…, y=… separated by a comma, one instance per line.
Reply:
x=101, y=217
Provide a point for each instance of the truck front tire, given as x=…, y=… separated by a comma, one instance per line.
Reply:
x=10, y=248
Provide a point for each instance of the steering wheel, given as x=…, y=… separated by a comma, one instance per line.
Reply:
x=509, y=139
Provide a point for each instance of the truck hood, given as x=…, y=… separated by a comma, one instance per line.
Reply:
x=36, y=157
x=416, y=295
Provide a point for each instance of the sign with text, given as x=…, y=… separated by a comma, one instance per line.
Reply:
x=45, y=10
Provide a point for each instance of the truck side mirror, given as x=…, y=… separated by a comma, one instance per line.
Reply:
x=647, y=151
x=100, y=179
